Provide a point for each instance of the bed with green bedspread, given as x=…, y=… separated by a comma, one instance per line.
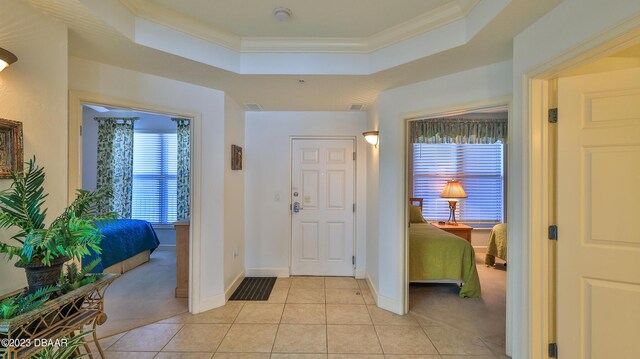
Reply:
x=436, y=255
x=497, y=246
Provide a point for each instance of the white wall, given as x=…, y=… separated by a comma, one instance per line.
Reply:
x=34, y=92
x=234, y=199
x=394, y=107
x=208, y=156
x=373, y=205
x=147, y=121
x=267, y=160
x=567, y=26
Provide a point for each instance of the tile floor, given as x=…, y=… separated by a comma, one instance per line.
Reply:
x=305, y=318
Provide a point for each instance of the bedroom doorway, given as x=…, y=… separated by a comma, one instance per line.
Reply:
x=322, y=207
x=157, y=143
x=456, y=263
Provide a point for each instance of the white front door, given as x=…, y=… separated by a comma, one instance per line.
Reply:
x=598, y=214
x=322, y=215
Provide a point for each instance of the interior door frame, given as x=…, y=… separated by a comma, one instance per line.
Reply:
x=446, y=111
x=74, y=171
x=537, y=85
x=355, y=192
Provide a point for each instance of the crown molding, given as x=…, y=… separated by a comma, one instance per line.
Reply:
x=182, y=23
x=304, y=45
x=423, y=23
x=428, y=21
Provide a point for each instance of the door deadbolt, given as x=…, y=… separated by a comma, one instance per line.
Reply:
x=296, y=207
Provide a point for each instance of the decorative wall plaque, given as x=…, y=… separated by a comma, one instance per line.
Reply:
x=11, y=149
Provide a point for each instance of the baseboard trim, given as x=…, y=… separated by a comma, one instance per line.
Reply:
x=218, y=300
x=360, y=273
x=267, y=272
x=389, y=304
x=166, y=247
x=205, y=304
x=234, y=285
x=374, y=290
x=383, y=302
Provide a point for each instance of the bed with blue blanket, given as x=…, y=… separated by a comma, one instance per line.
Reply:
x=126, y=243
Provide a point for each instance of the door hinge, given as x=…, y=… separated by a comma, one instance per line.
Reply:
x=80, y=130
x=354, y=208
x=553, y=115
x=354, y=156
x=553, y=350
x=353, y=260
x=553, y=232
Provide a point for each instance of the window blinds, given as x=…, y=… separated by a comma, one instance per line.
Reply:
x=154, y=177
x=480, y=169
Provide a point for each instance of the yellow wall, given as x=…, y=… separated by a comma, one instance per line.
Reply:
x=34, y=91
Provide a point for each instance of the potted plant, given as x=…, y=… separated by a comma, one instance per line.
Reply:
x=42, y=251
x=68, y=350
x=21, y=303
x=73, y=279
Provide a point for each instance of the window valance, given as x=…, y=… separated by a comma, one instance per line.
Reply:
x=458, y=130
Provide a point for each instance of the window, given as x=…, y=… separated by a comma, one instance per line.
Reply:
x=478, y=167
x=154, y=177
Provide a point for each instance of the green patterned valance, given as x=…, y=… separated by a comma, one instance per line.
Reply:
x=458, y=130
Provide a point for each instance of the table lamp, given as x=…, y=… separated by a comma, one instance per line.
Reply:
x=452, y=192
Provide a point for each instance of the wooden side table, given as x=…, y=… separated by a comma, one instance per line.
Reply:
x=461, y=230
x=182, y=259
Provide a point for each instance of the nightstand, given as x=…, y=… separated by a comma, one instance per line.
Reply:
x=461, y=230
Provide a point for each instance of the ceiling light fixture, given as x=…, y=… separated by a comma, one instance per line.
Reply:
x=6, y=58
x=282, y=14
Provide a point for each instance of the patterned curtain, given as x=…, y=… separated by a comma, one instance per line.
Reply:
x=115, y=163
x=184, y=168
x=458, y=130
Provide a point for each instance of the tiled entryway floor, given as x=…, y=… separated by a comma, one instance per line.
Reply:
x=305, y=317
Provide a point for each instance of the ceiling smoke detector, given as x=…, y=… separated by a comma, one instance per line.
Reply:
x=282, y=14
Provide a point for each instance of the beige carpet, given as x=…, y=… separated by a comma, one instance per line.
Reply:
x=482, y=317
x=143, y=295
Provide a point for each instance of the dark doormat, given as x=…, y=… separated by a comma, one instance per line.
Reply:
x=254, y=288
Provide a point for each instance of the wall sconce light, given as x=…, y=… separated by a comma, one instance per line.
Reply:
x=6, y=58
x=372, y=137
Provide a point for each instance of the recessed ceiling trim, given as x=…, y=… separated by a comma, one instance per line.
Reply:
x=428, y=21
x=183, y=23
x=320, y=61
x=326, y=45
x=436, y=18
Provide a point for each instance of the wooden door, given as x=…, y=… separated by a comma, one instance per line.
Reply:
x=598, y=215
x=322, y=198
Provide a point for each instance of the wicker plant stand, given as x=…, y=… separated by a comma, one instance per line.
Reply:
x=57, y=319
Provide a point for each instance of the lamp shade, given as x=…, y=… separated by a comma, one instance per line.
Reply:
x=453, y=189
x=6, y=58
x=371, y=137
